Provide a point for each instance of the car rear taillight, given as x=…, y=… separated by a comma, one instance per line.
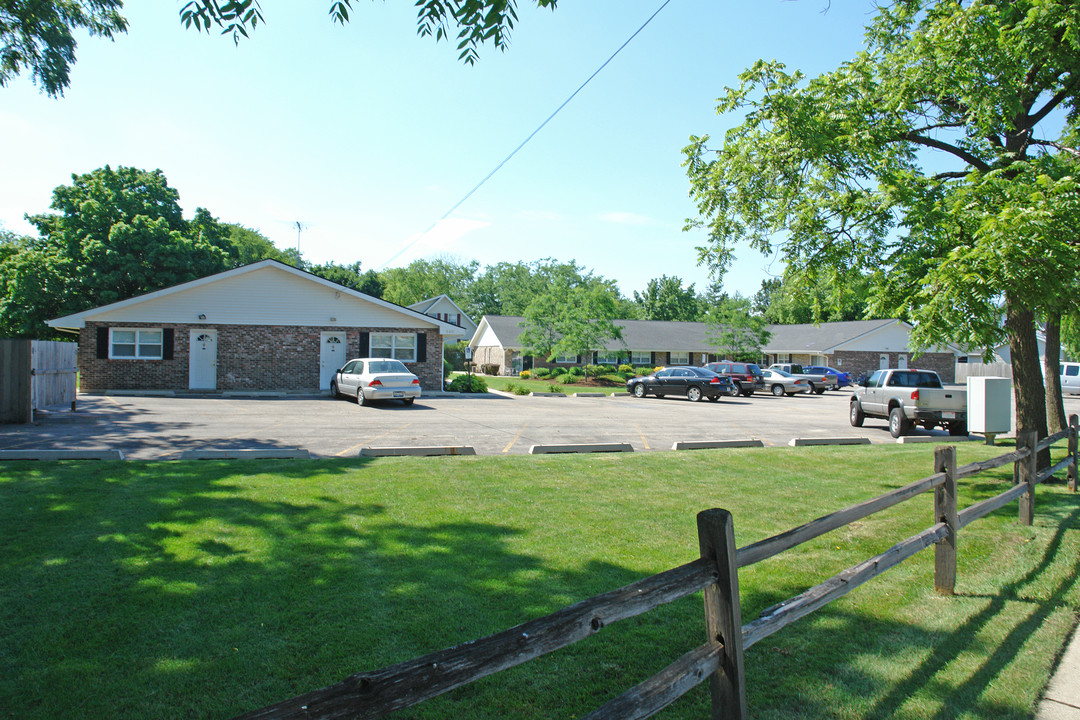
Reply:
x=416, y=381
x=914, y=394
x=714, y=381
x=375, y=382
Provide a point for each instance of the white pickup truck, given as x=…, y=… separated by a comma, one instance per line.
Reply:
x=908, y=398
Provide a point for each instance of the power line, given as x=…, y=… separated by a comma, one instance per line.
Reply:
x=526, y=140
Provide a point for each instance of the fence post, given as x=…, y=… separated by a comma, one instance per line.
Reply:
x=723, y=617
x=945, y=511
x=1074, y=430
x=1027, y=469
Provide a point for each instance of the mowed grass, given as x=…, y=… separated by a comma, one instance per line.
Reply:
x=507, y=384
x=203, y=590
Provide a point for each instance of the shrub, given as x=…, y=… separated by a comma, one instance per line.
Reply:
x=555, y=388
x=567, y=379
x=447, y=368
x=596, y=370
x=521, y=390
x=625, y=369
x=525, y=374
x=542, y=372
x=468, y=384
x=489, y=369
x=576, y=371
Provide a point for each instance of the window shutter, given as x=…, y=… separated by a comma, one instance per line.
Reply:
x=667, y=358
x=421, y=347
x=365, y=344
x=167, y=344
x=103, y=343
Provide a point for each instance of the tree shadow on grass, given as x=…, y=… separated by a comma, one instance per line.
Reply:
x=211, y=589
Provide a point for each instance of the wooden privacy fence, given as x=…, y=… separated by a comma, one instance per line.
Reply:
x=35, y=374
x=720, y=659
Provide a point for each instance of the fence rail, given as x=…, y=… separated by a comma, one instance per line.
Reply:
x=720, y=659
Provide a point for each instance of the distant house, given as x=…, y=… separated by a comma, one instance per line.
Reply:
x=497, y=342
x=264, y=326
x=859, y=346
x=445, y=309
x=856, y=347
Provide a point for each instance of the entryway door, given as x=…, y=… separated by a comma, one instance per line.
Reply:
x=202, y=362
x=331, y=357
x=883, y=361
x=901, y=361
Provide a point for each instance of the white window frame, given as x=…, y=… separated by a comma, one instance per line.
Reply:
x=566, y=359
x=641, y=357
x=676, y=357
x=607, y=357
x=399, y=350
x=139, y=343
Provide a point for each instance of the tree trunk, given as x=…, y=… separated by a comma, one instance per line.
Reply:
x=1027, y=376
x=1055, y=405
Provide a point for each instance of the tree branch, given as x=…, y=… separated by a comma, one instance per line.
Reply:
x=1058, y=146
x=1053, y=103
x=946, y=147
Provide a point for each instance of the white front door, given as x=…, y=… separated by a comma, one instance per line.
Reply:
x=901, y=361
x=202, y=360
x=883, y=361
x=331, y=357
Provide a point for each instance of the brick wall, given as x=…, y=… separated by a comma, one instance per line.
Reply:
x=857, y=363
x=249, y=357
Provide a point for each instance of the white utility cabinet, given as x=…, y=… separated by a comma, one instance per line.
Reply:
x=989, y=404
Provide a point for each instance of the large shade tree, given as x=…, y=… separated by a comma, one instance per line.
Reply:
x=113, y=234
x=932, y=161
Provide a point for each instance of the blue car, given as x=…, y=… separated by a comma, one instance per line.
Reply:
x=842, y=378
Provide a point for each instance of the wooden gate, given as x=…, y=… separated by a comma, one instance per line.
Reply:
x=53, y=372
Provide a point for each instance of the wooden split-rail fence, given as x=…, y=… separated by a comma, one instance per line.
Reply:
x=720, y=659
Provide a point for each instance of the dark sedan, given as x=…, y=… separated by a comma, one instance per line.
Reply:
x=693, y=382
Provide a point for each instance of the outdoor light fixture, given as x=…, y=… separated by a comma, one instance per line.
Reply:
x=333, y=319
x=202, y=317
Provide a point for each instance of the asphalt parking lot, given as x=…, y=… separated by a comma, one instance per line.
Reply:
x=163, y=427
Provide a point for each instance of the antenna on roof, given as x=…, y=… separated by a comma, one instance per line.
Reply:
x=300, y=226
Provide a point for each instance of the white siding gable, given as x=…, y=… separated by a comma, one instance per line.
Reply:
x=487, y=339
x=267, y=296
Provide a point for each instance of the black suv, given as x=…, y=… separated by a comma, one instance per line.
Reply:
x=747, y=377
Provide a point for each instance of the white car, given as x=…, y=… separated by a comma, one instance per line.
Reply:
x=375, y=379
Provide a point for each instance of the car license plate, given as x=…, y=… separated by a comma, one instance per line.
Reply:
x=949, y=415
x=399, y=393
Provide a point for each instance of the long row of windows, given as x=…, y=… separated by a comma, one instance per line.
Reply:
x=637, y=357
x=147, y=344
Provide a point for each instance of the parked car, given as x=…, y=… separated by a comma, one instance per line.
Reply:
x=693, y=382
x=781, y=383
x=1070, y=378
x=843, y=379
x=369, y=379
x=816, y=382
x=746, y=377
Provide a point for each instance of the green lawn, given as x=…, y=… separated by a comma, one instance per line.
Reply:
x=202, y=590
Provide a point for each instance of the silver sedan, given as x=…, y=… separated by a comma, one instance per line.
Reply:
x=781, y=383
x=375, y=379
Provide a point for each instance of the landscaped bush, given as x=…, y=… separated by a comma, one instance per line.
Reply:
x=555, y=388
x=576, y=371
x=541, y=372
x=611, y=379
x=625, y=369
x=567, y=378
x=525, y=374
x=447, y=368
x=468, y=384
x=517, y=389
x=489, y=369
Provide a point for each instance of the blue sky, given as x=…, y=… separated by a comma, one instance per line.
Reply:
x=368, y=134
